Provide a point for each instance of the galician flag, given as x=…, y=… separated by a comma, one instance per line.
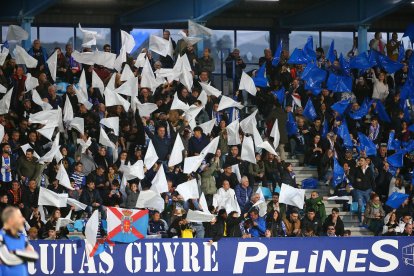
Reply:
x=125, y=225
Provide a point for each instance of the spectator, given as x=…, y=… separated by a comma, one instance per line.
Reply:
x=336, y=220
x=363, y=185
x=233, y=224
x=258, y=224
x=91, y=198
x=7, y=169
x=315, y=202
x=243, y=193
x=293, y=225
x=408, y=230
x=157, y=226
x=39, y=53
x=27, y=167
x=275, y=205
x=206, y=62
x=113, y=195
x=198, y=142
x=391, y=224
x=311, y=220
x=330, y=230
x=234, y=68
x=229, y=176
x=132, y=195
x=275, y=224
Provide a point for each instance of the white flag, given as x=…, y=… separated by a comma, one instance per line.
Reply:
x=208, y=126
x=127, y=73
x=49, y=198
x=188, y=190
x=151, y=200
x=178, y=104
x=63, y=177
x=210, y=90
x=78, y=123
x=52, y=64
x=111, y=122
x=22, y=57
x=150, y=156
x=47, y=132
x=104, y=139
x=292, y=196
x=5, y=102
x=249, y=123
x=191, y=164
x=233, y=136
x=16, y=33
x=89, y=37
x=159, y=45
x=199, y=216
x=159, y=183
x=176, y=156
x=91, y=231
x=97, y=82
x=247, y=83
x=195, y=29
x=247, y=153
x=127, y=41
x=31, y=82
x=78, y=205
x=145, y=109
x=275, y=134
x=226, y=102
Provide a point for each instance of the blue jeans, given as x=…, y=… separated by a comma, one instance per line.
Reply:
x=362, y=196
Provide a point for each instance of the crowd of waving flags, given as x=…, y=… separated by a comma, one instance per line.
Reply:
x=129, y=225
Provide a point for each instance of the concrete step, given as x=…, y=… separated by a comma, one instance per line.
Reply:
x=359, y=231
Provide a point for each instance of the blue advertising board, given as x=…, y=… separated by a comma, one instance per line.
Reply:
x=296, y=256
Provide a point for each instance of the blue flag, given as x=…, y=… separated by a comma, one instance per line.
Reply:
x=325, y=128
x=280, y=95
x=338, y=83
x=396, y=199
x=361, y=62
x=314, y=87
x=309, y=111
x=344, y=63
x=276, y=58
x=396, y=160
x=331, y=54
x=388, y=64
x=291, y=126
x=313, y=74
x=407, y=90
x=409, y=32
x=297, y=57
x=362, y=111
x=366, y=144
x=401, y=52
x=338, y=173
x=382, y=114
x=308, y=51
x=373, y=58
x=393, y=144
x=343, y=132
x=341, y=106
x=260, y=80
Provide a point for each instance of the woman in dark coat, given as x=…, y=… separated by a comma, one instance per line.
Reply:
x=233, y=224
x=275, y=224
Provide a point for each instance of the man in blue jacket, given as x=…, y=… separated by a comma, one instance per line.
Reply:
x=259, y=224
x=40, y=54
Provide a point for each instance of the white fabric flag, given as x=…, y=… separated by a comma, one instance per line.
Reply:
x=191, y=114
x=210, y=90
x=111, y=122
x=127, y=41
x=134, y=171
x=247, y=84
x=140, y=61
x=89, y=37
x=46, y=117
x=247, y=152
x=50, y=198
x=52, y=64
x=31, y=82
x=78, y=205
x=226, y=102
x=292, y=196
x=25, y=147
x=22, y=57
x=203, y=98
x=84, y=145
x=5, y=102
x=97, y=82
x=63, y=222
x=195, y=29
x=1, y=133
x=159, y=183
x=191, y=40
x=275, y=134
x=176, y=156
x=261, y=206
x=199, y=216
x=54, y=152
x=186, y=77
x=120, y=59
x=211, y=147
x=128, y=88
x=268, y=147
x=37, y=100
x=159, y=45
x=188, y=190
x=104, y=139
x=112, y=98
x=236, y=170
x=91, y=231
x=127, y=73
x=151, y=200
x=296, y=101
x=203, y=203
x=47, y=132
x=249, y=123
x=150, y=156
x=233, y=136
x=16, y=33
x=63, y=177
x=191, y=164
x=78, y=123
x=148, y=79
x=3, y=55
x=88, y=58
x=145, y=109
x=178, y=104
x=208, y=126
x=257, y=138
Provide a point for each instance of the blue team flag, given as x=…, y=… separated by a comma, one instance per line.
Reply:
x=407, y=90
x=393, y=144
x=325, y=128
x=401, y=52
x=291, y=126
x=338, y=83
x=331, y=54
x=396, y=160
x=343, y=132
x=297, y=57
x=388, y=64
x=308, y=51
x=361, y=62
x=276, y=58
x=313, y=74
x=396, y=199
x=344, y=63
x=366, y=144
x=309, y=111
x=341, y=106
x=406, y=109
x=409, y=32
x=314, y=87
x=338, y=173
x=362, y=111
x=382, y=114
x=280, y=95
x=260, y=80
x=373, y=58
x=411, y=128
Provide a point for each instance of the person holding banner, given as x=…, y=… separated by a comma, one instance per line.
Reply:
x=15, y=250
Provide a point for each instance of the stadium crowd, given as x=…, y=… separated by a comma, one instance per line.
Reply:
x=378, y=111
